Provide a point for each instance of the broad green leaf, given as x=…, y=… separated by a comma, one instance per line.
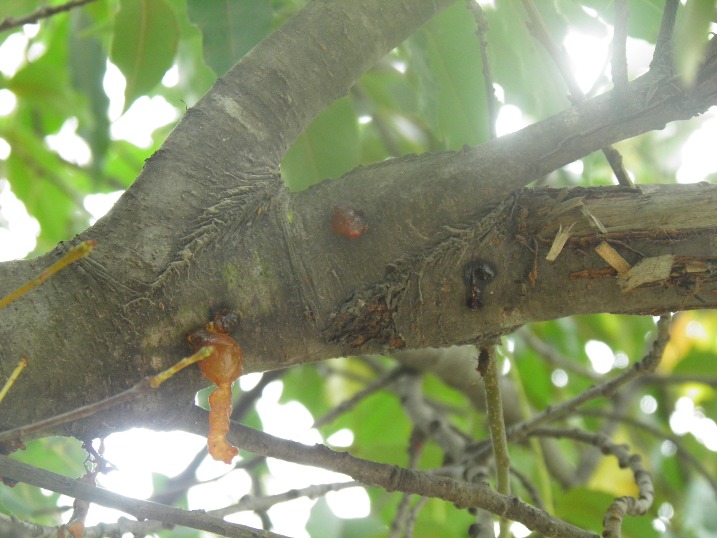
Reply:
x=49, y=190
x=18, y=8
x=327, y=149
x=144, y=44
x=229, y=28
x=44, y=83
x=87, y=68
x=691, y=37
x=445, y=58
x=520, y=64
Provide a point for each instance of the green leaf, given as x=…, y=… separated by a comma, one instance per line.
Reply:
x=691, y=37
x=18, y=8
x=144, y=44
x=229, y=28
x=327, y=149
x=87, y=69
x=446, y=61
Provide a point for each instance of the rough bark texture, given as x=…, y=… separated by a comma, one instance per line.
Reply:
x=208, y=224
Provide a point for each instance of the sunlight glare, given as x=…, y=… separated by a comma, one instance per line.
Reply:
x=559, y=378
x=142, y=119
x=349, y=503
x=8, y=101
x=699, y=160
x=68, y=145
x=601, y=356
x=97, y=205
x=343, y=438
x=18, y=230
x=12, y=53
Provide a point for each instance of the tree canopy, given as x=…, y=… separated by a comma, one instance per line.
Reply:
x=473, y=242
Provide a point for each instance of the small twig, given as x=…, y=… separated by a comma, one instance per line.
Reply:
x=13, y=377
x=144, y=386
x=248, y=503
x=346, y=406
x=619, y=49
x=389, y=477
x=663, y=45
x=42, y=13
x=10, y=526
x=561, y=410
x=554, y=357
x=682, y=452
x=195, y=519
x=75, y=253
x=622, y=505
x=488, y=368
x=540, y=31
x=481, y=31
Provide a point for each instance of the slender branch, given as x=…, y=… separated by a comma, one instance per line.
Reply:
x=78, y=489
x=22, y=363
x=42, y=13
x=488, y=368
x=646, y=365
x=347, y=405
x=10, y=526
x=481, y=31
x=264, y=503
x=389, y=477
x=557, y=54
x=619, y=49
x=682, y=452
x=622, y=505
x=144, y=386
x=558, y=411
x=663, y=44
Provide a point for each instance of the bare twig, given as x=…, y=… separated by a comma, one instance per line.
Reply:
x=488, y=368
x=681, y=451
x=389, y=477
x=663, y=44
x=623, y=505
x=542, y=35
x=558, y=411
x=144, y=386
x=619, y=49
x=481, y=31
x=10, y=526
x=22, y=363
x=347, y=405
x=646, y=365
x=75, y=253
x=264, y=503
x=78, y=489
x=42, y=13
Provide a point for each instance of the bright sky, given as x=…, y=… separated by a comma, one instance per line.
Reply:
x=138, y=453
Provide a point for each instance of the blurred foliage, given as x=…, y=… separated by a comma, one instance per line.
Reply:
x=427, y=95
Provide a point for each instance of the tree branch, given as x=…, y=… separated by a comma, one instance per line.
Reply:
x=21, y=472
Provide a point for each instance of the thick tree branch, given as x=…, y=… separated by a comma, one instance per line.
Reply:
x=209, y=225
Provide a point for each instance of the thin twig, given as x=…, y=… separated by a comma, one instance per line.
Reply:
x=42, y=13
x=389, y=477
x=681, y=451
x=554, y=412
x=619, y=49
x=144, y=386
x=663, y=44
x=345, y=406
x=488, y=368
x=481, y=31
x=248, y=503
x=195, y=519
x=540, y=31
x=11, y=526
x=22, y=363
x=622, y=505
x=71, y=256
